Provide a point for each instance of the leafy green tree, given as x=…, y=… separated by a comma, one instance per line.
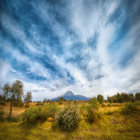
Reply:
x=100, y=98
x=119, y=98
x=62, y=99
x=131, y=97
x=137, y=96
x=94, y=103
x=114, y=98
x=45, y=100
x=110, y=100
x=48, y=101
x=125, y=97
x=28, y=98
x=13, y=92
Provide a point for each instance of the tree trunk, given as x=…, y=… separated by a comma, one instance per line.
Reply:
x=10, y=110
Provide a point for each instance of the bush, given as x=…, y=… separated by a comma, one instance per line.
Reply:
x=41, y=113
x=84, y=110
x=40, y=103
x=51, y=109
x=13, y=119
x=128, y=108
x=108, y=104
x=93, y=114
x=137, y=103
x=92, y=109
x=68, y=118
x=26, y=105
x=103, y=105
x=94, y=103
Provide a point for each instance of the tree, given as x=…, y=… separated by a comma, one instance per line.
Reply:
x=137, y=96
x=61, y=100
x=100, y=98
x=94, y=103
x=13, y=92
x=124, y=97
x=131, y=97
x=28, y=98
x=119, y=98
x=48, y=101
x=110, y=100
x=45, y=100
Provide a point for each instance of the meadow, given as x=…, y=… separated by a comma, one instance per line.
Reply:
x=111, y=125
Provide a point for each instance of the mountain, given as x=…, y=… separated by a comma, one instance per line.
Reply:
x=69, y=95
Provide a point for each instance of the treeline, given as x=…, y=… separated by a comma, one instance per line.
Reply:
x=123, y=97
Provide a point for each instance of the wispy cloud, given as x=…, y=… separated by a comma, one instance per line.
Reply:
x=85, y=46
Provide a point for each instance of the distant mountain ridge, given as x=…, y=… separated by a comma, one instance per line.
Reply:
x=69, y=95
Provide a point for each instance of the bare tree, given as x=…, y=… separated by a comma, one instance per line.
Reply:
x=28, y=97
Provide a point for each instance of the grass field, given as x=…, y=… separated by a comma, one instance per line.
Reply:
x=111, y=126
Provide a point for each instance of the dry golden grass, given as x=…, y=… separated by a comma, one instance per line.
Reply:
x=106, y=109
x=110, y=127
x=16, y=111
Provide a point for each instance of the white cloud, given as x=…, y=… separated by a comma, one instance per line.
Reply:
x=85, y=20
x=4, y=69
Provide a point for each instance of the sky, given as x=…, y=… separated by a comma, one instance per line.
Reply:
x=89, y=47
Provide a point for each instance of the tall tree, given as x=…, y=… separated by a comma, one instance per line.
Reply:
x=45, y=100
x=109, y=99
x=131, y=97
x=119, y=98
x=28, y=97
x=100, y=98
x=125, y=97
x=137, y=96
x=13, y=92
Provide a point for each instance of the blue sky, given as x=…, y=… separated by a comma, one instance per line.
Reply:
x=86, y=46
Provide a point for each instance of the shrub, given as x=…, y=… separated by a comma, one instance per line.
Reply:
x=31, y=114
x=40, y=103
x=13, y=119
x=92, y=109
x=94, y=103
x=137, y=96
x=51, y=109
x=84, y=110
x=36, y=113
x=68, y=118
x=128, y=108
x=137, y=103
x=26, y=105
x=108, y=104
x=93, y=113
x=103, y=105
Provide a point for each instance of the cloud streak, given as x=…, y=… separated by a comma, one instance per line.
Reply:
x=85, y=46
